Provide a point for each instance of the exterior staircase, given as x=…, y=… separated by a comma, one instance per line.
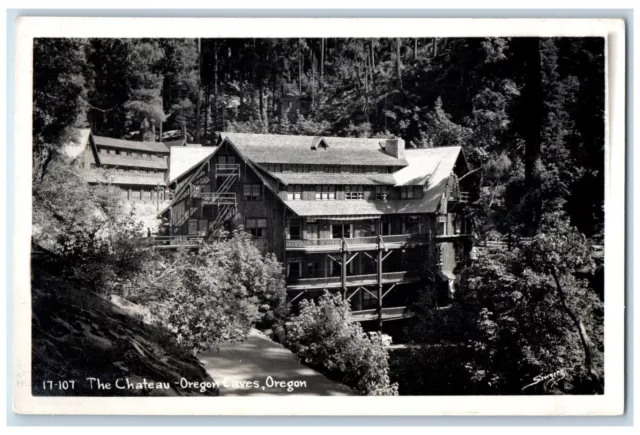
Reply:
x=224, y=200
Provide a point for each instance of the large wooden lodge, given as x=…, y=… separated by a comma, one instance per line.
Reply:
x=365, y=217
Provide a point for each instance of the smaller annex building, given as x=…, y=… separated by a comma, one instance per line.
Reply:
x=137, y=168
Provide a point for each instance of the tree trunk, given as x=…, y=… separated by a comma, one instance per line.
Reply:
x=300, y=58
x=321, y=61
x=215, y=86
x=415, y=49
x=313, y=80
x=532, y=100
x=584, y=337
x=198, y=103
x=398, y=65
x=207, y=107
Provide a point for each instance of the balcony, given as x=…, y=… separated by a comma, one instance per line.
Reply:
x=214, y=198
x=459, y=197
x=334, y=282
x=357, y=243
x=388, y=313
x=227, y=169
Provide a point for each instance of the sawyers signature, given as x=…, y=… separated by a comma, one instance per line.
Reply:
x=550, y=380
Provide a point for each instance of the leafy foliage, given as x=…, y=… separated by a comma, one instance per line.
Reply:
x=96, y=243
x=323, y=337
x=214, y=294
x=511, y=322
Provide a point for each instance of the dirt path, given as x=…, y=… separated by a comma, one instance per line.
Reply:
x=261, y=367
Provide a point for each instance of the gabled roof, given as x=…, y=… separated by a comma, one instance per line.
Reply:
x=273, y=148
x=153, y=147
x=427, y=165
x=182, y=159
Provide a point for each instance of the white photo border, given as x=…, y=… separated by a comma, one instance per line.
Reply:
x=610, y=403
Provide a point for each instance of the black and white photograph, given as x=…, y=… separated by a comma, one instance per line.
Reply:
x=320, y=216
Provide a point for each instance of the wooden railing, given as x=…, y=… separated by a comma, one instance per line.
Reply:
x=395, y=238
x=227, y=198
x=176, y=240
x=461, y=197
x=352, y=280
x=227, y=169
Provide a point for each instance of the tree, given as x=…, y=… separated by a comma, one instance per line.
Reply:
x=144, y=85
x=559, y=251
x=59, y=96
x=96, y=243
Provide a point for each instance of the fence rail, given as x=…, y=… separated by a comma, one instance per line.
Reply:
x=395, y=238
x=352, y=280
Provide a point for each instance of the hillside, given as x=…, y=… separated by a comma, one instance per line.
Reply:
x=78, y=335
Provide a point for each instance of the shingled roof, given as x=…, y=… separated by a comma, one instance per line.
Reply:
x=131, y=161
x=183, y=158
x=273, y=148
x=327, y=179
x=427, y=164
x=152, y=147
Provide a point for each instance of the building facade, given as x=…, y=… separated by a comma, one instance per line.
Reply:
x=365, y=217
x=138, y=169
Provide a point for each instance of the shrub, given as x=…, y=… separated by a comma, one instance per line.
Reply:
x=96, y=242
x=215, y=294
x=323, y=337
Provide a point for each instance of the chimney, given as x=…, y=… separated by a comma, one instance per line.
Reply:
x=395, y=148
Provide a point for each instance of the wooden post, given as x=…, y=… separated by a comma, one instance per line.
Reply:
x=379, y=273
x=343, y=268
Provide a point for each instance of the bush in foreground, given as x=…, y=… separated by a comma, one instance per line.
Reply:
x=324, y=338
x=215, y=294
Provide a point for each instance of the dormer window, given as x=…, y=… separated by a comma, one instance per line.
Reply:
x=318, y=142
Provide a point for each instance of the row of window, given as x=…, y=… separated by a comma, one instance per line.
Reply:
x=127, y=169
x=294, y=192
x=328, y=169
x=131, y=153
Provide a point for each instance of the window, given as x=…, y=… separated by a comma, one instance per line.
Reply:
x=325, y=192
x=340, y=230
x=207, y=211
x=251, y=192
x=294, y=230
x=313, y=269
x=442, y=225
x=118, y=152
x=353, y=192
x=406, y=192
x=412, y=225
x=382, y=192
x=294, y=269
x=286, y=167
x=227, y=160
x=312, y=231
x=294, y=192
x=278, y=167
x=193, y=227
x=257, y=227
x=328, y=192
